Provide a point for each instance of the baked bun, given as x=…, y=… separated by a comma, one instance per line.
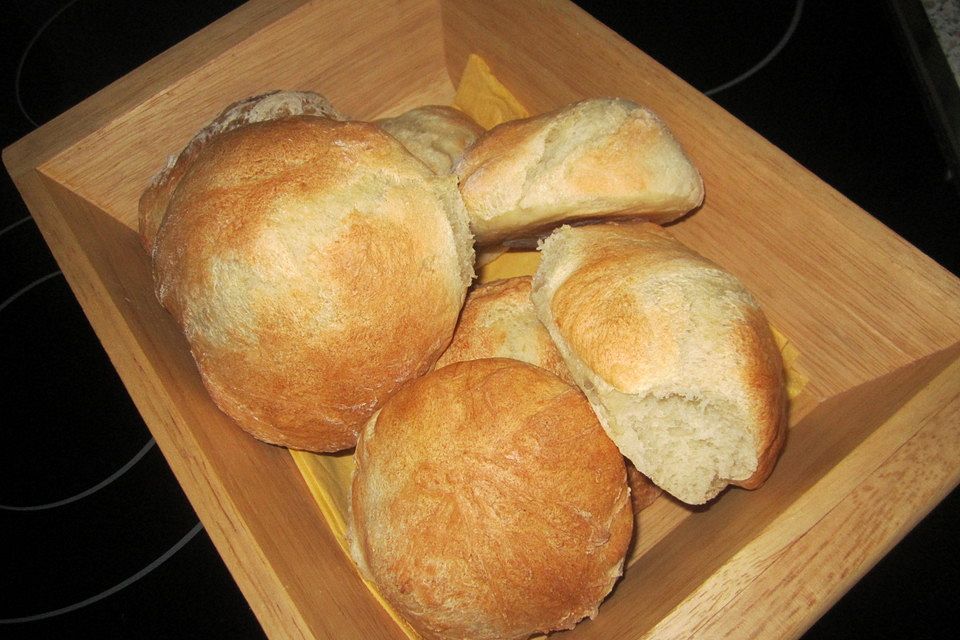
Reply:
x=315, y=266
x=488, y=503
x=498, y=321
x=673, y=352
x=596, y=159
x=435, y=134
x=267, y=106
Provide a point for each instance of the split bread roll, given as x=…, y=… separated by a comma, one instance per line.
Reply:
x=498, y=321
x=673, y=352
x=314, y=266
x=435, y=134
x=261, y=108
x=487, y=502
x=597, y=159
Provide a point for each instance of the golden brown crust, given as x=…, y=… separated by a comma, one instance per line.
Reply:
x=763, y=380
x=592, y=160
x=266, y=106
x=435, y=134
x=488, y=503
x=314, y=266
x=647, y=326
x=498, y=321
x=597, y=310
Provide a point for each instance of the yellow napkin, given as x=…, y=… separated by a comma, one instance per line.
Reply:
x=482, y=97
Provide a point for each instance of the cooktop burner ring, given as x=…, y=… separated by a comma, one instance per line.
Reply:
x=113, y=477
x=89, y=491
x=767, y=59
x=166, y=555
x=26, y=52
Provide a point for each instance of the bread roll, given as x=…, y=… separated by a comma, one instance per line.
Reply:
x=315, y=266
x=435, y=134
x=267, y=106
x=596, y=159
x=488, y=503
x=674, y=353
x=498, y=321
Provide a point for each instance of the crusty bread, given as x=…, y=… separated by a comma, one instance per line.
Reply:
x=498, y=321
x=596, y=159
x=674, y=353
x=315, y=266
x=435, y=134
x=266, y=106
x=488, y=503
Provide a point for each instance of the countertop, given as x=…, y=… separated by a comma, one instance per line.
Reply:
x=100, y=538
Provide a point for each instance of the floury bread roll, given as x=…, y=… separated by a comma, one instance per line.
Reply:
x=498, y=321
x=435, y=134
x=675, y=355
x=488, y=503
x=315, y=266
x=597, y=159
x=267, y=106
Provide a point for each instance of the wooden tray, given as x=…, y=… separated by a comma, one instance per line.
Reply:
x=874, y=441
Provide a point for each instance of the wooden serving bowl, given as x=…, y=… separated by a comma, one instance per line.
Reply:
x=875, y=437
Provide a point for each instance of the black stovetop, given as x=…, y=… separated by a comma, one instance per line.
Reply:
x=100, y=539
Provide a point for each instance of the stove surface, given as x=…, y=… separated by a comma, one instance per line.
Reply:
x=99, y=537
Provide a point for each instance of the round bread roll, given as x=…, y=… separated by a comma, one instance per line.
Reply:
x=673, y=352
x=597, y=159
x=314, y=266
x=267, y=106
x=498, y=321
x=488, y=503
x=436, y=134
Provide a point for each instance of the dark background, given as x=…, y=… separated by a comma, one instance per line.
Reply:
x=842, y=97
